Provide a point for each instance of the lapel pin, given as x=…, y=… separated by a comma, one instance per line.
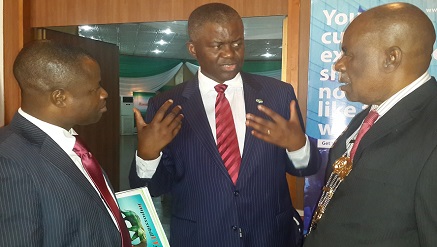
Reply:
x=259, y=101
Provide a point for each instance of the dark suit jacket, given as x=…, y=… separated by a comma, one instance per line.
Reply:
x=389, y=198
x=45, y=200
x=207, y=209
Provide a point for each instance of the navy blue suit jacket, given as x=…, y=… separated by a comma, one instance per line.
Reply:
x=207, y=208
x=45, y=200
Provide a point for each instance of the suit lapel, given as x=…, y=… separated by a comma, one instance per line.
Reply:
x=51, y=151
x=59, y=159
x=195, y=116
x=251, y=95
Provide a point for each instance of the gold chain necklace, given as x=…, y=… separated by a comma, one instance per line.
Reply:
x=341, y=169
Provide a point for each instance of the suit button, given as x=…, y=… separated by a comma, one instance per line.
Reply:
x=236, y=193
x=234, y=228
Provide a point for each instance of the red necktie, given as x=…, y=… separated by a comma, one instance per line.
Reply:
x=368, y=122
x=93, y=169
x=227, y=142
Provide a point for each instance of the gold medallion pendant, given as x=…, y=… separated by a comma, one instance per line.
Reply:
x=342, y=167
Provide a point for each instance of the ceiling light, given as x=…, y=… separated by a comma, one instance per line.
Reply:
x=166, y=31
x=156, y=51
x=267, y=55
x=161, y=42
x=86, y=28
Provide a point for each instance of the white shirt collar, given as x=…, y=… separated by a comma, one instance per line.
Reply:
x=206, y=84
x=65, y=139
x=385, y=106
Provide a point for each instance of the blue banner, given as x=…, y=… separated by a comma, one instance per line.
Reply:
x=329, y=112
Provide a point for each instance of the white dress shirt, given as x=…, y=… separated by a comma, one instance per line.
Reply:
x=66, y=140
x=235, y=95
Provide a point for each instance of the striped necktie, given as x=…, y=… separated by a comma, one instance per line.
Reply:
x=93, y=169
x=368, y=122
x=227, y=142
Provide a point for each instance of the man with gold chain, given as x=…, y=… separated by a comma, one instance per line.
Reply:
x=381, y=183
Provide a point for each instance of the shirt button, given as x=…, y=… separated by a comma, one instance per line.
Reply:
x=236, y=193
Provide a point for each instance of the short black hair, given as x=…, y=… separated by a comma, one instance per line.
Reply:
x=45, y=65
x=210, y=13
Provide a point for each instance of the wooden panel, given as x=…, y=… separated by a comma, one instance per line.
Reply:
x=304, y=46
x=292, y=58
x=12, y=43
x=76, y=12
x=295, y=62
x=103, y=138
x=304, y=37
x=290, y=63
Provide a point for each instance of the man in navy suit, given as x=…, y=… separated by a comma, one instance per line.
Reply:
x=389, y=197
x=177, y=152
x=46, y=196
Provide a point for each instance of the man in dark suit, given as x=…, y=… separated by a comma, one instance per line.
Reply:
x=209, y=208
x=388, y=199
x=47, y=197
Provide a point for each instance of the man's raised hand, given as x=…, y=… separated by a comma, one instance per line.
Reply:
x=154, y=136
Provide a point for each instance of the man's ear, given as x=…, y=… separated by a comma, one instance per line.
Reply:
x=393, y=58
x=58, y=98
x=191, y=49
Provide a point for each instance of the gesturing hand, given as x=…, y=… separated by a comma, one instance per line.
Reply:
x=153, y=137
x=279, y=131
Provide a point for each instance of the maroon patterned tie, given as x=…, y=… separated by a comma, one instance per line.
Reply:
x=93, y=169
x=227, y=142
x=368, y=122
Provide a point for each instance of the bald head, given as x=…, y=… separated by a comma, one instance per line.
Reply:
x=44, y=65
x=384, y=49
x=210, y=13
x=399, y=25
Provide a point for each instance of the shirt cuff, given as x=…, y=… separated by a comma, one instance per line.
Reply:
x=146, y=168
x=301, y=157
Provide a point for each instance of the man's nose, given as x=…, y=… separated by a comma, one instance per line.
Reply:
x=339, y=65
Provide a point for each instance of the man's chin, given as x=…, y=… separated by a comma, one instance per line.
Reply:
x=229, y=75
x=346, y=90
x=96, y=119
x=350, y=97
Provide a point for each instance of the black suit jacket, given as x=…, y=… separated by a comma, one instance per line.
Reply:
x=208, y=210
x=45, y=200
x=389, y=198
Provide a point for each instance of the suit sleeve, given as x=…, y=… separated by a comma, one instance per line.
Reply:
x=20, y=212
x=426, y=202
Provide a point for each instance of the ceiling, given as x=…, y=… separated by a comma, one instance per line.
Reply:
x=263, y=35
